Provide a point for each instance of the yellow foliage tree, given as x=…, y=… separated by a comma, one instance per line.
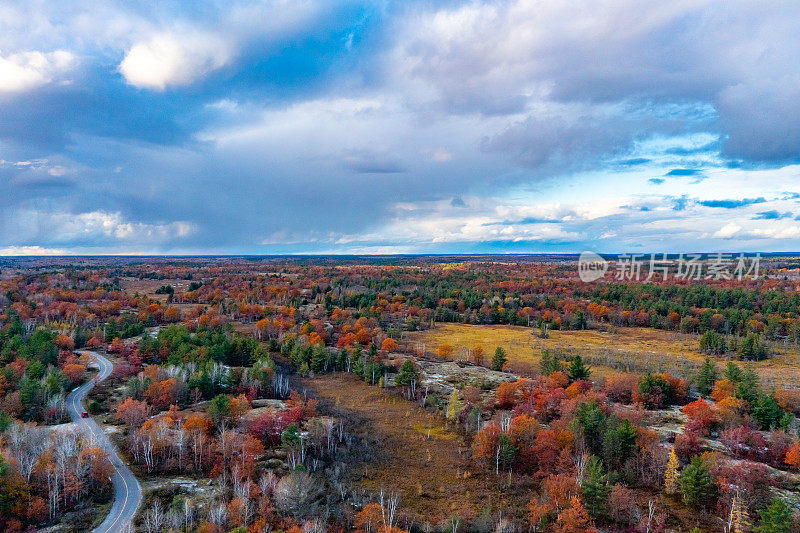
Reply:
x=454, y=405
x=671, y=475
x=739, y=520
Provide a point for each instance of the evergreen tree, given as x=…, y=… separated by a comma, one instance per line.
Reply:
x=577, y=370
x=357, y=361
x=507, y=451
x=545, y=362
x=595, y=488
x=219, y=409
x=767, y=412
x=713, y=343
x=111, y=330
x=319, y=358
x=775, y=518
x=697, y=486
x=499, y=359
x=707, y=377
x=341, y=364
x=619, y=443
x=751, y=348
x=733, y=373
x=579, y=321
x=748, y=387
x=591, y=422
x=408, y=373
x=549, y=363
x=290, y=436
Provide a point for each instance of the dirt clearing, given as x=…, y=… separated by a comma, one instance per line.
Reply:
x=420, y=456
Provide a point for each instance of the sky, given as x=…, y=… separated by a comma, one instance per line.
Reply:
x=382, y=127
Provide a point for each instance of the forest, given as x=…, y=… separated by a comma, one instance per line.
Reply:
x=313, y=394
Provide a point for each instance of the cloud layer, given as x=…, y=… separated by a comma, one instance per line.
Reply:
x=349, y=126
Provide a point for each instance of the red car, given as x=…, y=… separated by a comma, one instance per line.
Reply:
x=84, y=415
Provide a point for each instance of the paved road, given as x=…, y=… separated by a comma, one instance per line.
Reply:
x=127, y=491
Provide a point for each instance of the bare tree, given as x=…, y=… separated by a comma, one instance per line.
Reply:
x=297, y=494
x=218, y=514
x=154, y=518
x=389, y=504
x=26, y=443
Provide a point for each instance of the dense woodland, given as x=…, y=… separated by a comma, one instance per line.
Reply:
x=214, y=362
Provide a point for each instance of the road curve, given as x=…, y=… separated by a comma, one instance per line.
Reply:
x=127, y=491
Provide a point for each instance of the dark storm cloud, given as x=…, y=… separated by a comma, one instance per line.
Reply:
x=559, y=144
x=736, y=57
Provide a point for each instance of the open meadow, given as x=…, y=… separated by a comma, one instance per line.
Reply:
x=633, y=349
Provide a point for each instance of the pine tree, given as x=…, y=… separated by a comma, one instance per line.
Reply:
x=577, y=370
x=748, y=388
x=549, y=363
x=595, y=488
x=408, y=373
x=506, y=451
x=733, y=372
x=319, y=358
x=672, y=476
x=713, y=343
x=619, y=443
x=697, y=486
x=499, y=359
x=545, y=362
x=776, y=518
x=111, y=330
x=707, y=377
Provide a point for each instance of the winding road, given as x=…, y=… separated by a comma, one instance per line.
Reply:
x=127, y=491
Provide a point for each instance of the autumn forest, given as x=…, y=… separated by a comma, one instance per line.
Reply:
x=394, y=394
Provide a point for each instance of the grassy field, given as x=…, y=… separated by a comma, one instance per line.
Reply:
x=420, y=456
x=634, y=349
x=148, y=287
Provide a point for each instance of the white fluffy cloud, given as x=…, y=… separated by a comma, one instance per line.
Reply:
x=25, y=70
x=170, y=60
x=32, y=250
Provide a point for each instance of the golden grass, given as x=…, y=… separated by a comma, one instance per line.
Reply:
x=641, y=349
x=433, y=431
x=148, y=287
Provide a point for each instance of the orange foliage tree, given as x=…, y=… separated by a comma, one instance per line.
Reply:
x=389, y=345
x=445, y=351
x=133, y=412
